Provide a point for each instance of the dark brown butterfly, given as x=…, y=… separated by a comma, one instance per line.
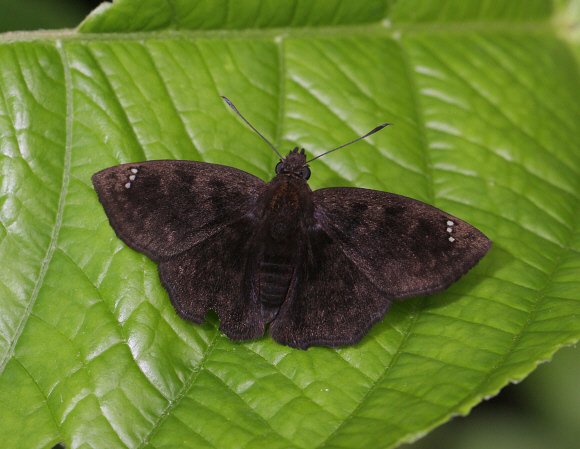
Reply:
x=320, y=267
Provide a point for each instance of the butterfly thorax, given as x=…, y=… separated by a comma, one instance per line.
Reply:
x=286, y=203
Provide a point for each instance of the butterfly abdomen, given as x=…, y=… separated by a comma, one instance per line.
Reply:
x=275, y=280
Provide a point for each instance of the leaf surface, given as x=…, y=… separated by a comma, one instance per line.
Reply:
x=486, y=106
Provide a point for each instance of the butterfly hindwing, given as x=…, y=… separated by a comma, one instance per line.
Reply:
x=216, y=274
x=333, y=304
x=162, y=208
x=403, y=246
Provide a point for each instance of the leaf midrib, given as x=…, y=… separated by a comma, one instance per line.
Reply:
x=373, y=29
x=59, y=213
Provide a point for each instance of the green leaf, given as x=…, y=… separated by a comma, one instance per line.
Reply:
x=486, y=106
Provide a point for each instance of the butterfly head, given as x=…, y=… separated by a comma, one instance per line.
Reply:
x=294, y=163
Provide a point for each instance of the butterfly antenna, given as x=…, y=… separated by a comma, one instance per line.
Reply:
x=378, y=128
x=257, y=132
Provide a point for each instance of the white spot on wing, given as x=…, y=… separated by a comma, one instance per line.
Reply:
x=449, y=229
x=451, y=239
x=450, y=223
x=131, y=177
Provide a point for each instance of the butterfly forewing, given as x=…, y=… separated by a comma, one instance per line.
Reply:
x=162, y=208
x=403, y=246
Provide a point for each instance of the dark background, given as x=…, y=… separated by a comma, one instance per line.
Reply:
x=541, y=412
x=18, y=15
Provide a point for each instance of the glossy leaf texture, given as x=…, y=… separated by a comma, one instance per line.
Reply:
x=485, y=103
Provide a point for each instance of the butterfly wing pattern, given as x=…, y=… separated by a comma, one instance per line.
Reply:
x=162, y=208
x=182, y=214
x=320, y=267
x=367, y=249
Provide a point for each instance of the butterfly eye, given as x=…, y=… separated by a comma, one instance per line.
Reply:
x=305, y=172
x=279, y=167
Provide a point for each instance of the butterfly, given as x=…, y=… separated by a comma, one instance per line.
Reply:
x=318, y=268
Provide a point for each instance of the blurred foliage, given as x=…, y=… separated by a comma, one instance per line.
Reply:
x=542, y=411
x=19, y=15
